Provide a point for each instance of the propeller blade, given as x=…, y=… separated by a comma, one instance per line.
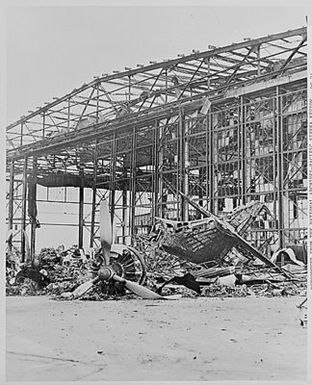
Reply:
x=106, y=238
x=143, y=291
x=81, y=290
x=172, y=297
x=105, y=231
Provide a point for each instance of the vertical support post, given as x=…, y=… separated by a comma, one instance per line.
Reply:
x=11, y=202
x=81, y=202
x=34, y=204
x=242, y=155
x=124, y=193
x=275, y=158
x=201, y=178
x=93, y=208
x=207, y=166
x=181, y=166
x=186, y=155
x=95, y=168
x=112, y=179
x=124, y=214
x=240, y=159
x=155, y=174
x=24, y=207
x=166, y=86
x=160, y=165
x=211, y=163
x=280, y=171
x=133, y=185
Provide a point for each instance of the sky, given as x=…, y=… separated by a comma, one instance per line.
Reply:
x=52, y=50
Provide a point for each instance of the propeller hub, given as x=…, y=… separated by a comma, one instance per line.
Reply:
x=105, y=273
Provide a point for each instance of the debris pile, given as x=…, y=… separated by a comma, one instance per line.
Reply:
x=53, y=271
x=167, y=273
x=221, y=288
x=211, y=257
x=56, y=271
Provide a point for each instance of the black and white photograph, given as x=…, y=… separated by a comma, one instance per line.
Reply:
x=156, y=196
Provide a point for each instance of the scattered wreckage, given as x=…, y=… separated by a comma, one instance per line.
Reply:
x=54, y=271
x=197, y=254
x=210, y=248
x=114, y=268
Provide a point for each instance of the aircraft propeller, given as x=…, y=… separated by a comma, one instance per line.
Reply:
x=106, y=273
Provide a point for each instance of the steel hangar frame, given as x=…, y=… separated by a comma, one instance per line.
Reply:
x=224, y=126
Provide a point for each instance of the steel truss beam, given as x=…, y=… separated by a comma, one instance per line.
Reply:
x=140, y=135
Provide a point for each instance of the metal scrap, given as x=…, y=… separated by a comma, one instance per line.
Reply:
x=201, y=252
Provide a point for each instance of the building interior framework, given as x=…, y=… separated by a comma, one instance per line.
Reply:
x=225, y=127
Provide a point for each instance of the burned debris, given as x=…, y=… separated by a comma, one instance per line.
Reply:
x=56, y=271
x=209, y=252
x=207, y=257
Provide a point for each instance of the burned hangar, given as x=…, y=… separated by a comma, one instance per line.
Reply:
x=222, y=127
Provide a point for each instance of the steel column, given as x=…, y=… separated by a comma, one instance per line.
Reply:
x=207, y=160
x=242, y=184
x=275, y=158
x=81, y=202
x=160, y=164
x=210, y=154
x=34, y=218
x=181, y=214
x=155, y=174
x=93, y=208
x=11, y=203
x=133, y=185
x=186, y=156
x=280, y=170
x=124, y=215
x=112, y=179
x=24, y=208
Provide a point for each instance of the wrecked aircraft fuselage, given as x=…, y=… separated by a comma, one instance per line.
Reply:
x=197, y=241
x=216, y=246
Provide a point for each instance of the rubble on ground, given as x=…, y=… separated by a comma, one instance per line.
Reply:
x=221, y=288
x=57, y=270
x=63, y=270
x=191, y=254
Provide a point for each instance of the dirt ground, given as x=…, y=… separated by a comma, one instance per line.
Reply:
x=189, y=339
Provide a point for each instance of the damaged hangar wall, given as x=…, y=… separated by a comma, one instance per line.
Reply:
x=252, y=146
x=223, y=136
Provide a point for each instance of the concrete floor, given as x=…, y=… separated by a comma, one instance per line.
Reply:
x=189, y=339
